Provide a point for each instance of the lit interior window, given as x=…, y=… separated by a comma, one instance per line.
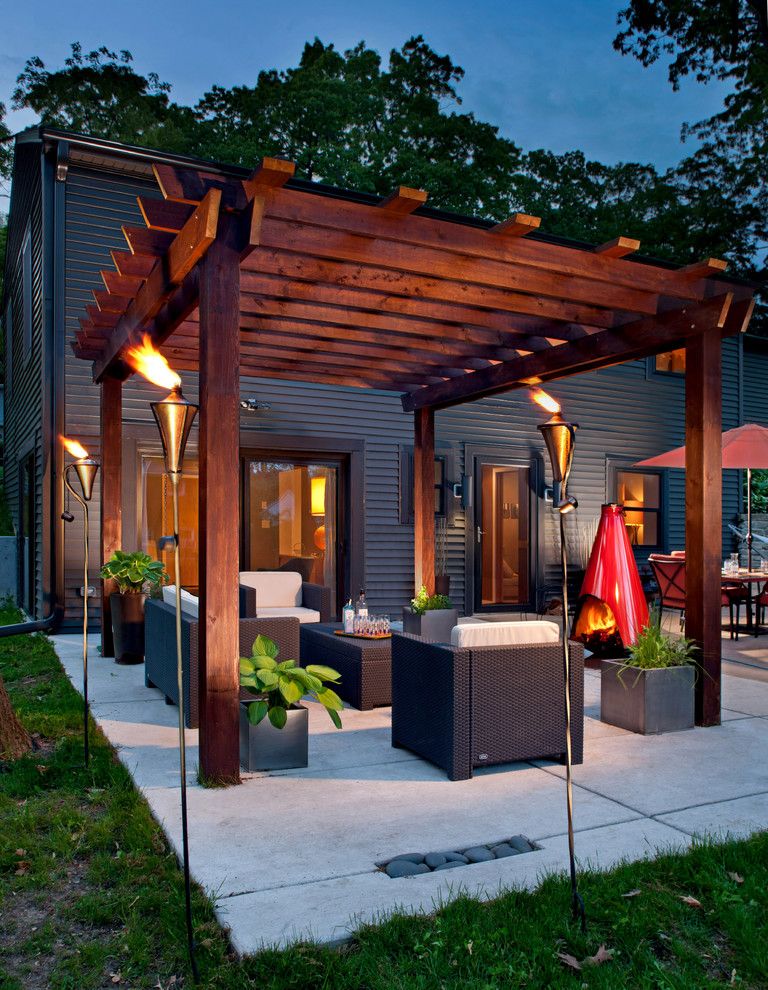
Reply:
x=640, y=494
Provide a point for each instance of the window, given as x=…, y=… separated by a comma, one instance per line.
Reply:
x=442, y=507
x=26, y=265
x=671, y=362
x=157, y=518
x=640, y=493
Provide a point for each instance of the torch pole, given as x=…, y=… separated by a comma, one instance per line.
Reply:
x=577, y=902
x=174, y=477
x=85, y=633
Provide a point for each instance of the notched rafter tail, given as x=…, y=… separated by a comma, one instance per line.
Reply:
x=517, y=226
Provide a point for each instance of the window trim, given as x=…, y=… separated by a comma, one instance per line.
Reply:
x=612, y=467
x=652, y=371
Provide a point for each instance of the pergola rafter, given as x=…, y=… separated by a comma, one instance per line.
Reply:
x=272, y=278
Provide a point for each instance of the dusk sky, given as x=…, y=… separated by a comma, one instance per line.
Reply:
x=544, y=71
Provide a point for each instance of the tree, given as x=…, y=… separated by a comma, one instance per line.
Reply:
x=15, y=741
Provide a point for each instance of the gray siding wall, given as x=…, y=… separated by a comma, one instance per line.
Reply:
x=625, y=413
x=23, y=399
x=756, y=385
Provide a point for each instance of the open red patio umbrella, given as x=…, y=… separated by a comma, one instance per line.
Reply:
x=744, y=447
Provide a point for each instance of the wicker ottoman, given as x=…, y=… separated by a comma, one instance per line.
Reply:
x=365, y=665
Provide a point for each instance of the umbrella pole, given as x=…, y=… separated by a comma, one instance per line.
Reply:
x=749, y=519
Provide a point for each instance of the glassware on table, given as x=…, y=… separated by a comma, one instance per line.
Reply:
x=764, y=566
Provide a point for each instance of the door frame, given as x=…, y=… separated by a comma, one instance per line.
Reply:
x=508, y=455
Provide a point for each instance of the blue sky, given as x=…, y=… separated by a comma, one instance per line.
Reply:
x=544, y=71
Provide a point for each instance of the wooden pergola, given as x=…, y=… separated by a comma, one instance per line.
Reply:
x=274, y=278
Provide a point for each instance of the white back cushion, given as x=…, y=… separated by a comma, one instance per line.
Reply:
x=274, y=589
x=504, y=633
x=189, y=603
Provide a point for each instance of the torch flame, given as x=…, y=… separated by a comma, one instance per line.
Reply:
x=73, y=447
x=545, y=400
x=150, y=363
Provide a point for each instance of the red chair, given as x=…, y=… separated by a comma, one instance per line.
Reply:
x=669, y=571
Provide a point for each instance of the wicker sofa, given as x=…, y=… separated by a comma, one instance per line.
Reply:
x=160, y=656
x=275, y=594
x=467, y=706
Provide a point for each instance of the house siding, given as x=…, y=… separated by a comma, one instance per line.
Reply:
x=756, y=382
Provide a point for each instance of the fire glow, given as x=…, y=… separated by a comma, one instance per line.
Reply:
x=150, y=364
x=545, y=400
x=74, y=448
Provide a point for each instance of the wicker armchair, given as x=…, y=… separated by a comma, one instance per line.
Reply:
x=160, y=655
x=314, y=596
x=462, y=708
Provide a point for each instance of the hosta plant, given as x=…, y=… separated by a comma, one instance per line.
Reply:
x=134, y=572
x=282, y=684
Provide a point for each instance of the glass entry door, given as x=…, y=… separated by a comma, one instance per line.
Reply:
x=292, y=520
x=502, y=534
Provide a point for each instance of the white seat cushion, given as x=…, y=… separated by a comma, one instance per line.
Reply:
x=504, y=633
x=302, y=614
x=274, y=589
x=189, y=603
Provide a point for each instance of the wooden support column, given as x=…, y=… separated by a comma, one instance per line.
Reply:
x=704, y=514
x=219, y=511
x=424, y=498
x=111, y=495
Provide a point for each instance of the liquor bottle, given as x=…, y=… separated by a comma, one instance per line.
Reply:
x=361, y=608
x=348, y=614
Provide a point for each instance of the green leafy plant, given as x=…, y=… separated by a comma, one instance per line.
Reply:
x=424, y=602
x=282, y=685
x=654, y=650
x=134, y=572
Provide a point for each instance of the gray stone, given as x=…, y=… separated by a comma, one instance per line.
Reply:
x=504, y=850
x=479, y=854
x=434, y=860
x=409, y=857
x=453, y=857
x=405, y=868
x=520, y=843
x=449, y=866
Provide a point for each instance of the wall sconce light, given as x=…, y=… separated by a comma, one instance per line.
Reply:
x=317, y=495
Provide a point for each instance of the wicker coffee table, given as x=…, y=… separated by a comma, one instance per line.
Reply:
x=365, y=665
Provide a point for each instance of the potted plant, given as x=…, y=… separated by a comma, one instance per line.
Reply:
x=134, y=574
x=650, y=690
x=274, y=727
x=430, y=616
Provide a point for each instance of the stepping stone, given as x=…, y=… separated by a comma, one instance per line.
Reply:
x=405, y=868
x=520, y=843
x=409, y=857
x=449, y=866
x=504, y=850
x=453, y=857
x=479, y=854
x=433, y=860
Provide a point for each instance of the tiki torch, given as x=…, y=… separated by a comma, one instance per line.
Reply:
x=559, y=438
x=174, y=417
x=85, y=468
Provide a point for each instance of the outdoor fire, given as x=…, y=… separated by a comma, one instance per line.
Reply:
x=73, y=447
x=545, y=400
x=596, y=627
x=150, y=363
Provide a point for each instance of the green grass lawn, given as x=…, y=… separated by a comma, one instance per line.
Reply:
x=91, y=896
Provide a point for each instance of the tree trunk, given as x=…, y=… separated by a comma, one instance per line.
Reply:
x=15, y=741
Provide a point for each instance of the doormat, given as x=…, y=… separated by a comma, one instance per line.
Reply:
x=414, y=864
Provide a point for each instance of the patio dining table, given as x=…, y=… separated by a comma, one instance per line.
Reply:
x=749, y=579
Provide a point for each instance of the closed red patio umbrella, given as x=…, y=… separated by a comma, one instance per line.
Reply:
x=744, y=447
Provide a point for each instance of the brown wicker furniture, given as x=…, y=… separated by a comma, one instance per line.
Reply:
x=462, y=708
x=160, y=653
x=312, y=596
x=364, y=664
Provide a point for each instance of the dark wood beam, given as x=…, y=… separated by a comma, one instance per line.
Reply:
x=404, y=200
x=703, y=515
x=633, y=340
x=619, y=247
x=424, y=499
x=134, y=265
x=143, y=241
x=272, y=173
x=517, y=226
x=190, y=186
x=111, y=528
x=219, y=515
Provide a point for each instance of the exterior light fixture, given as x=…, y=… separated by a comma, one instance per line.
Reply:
x=317, y=496
x=254, y=405
x=174, y=416
x=559, y=438
x=86, y=469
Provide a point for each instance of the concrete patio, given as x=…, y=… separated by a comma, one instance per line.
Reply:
x=293, y=854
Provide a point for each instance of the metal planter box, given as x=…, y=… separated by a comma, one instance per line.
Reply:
x=263, y=747
x=434, y=626
x=647, y=701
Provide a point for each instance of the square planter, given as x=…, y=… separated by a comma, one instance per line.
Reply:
x=647, y=701
x=434, y=626
x=263, y=747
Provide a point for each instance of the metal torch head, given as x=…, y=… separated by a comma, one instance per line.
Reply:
x=86, y=469
x=559, y=438
x=174, y=417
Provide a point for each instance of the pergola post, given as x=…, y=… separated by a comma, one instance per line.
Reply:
x=111, y=403
x=424, y=498
x=219, y=514
x=703, y=515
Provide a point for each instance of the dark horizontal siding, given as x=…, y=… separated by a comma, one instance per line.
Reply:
x=756, y=386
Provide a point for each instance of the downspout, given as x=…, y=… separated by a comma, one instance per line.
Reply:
x=52, y=374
